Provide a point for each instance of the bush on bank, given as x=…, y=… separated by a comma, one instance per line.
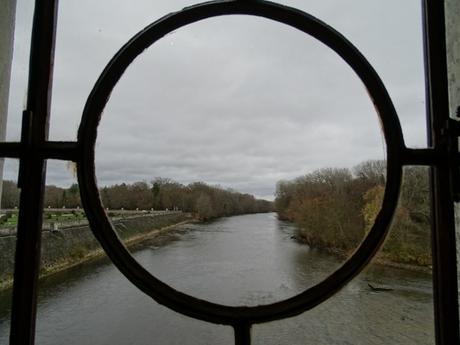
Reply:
x=335, y=208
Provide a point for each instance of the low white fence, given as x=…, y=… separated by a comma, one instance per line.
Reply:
x=59, y=225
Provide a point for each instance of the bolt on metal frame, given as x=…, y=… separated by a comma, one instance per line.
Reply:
x=34, y=149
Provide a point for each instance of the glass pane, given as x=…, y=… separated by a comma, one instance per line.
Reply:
x=82, y=54
x=358, y=315
x=15, y=24
x=94, y=303
x=241, y=103
x=198, y=134
x=19, y=68
x=8, y=224
x=83, y=298
x=389, y=34
x=391, y=302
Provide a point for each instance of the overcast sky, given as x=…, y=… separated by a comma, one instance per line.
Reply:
x=237, y=101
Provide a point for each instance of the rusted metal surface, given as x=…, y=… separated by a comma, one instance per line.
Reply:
x=34, y=149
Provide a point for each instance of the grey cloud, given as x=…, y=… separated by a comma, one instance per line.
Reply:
x=236, y=101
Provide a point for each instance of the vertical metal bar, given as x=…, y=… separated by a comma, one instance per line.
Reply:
x=32, y=170
x=443, y=222
x=242, y=334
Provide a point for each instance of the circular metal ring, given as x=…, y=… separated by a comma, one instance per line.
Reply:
x=104, y=230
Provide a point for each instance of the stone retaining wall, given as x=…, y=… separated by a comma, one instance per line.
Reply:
x=72, y=245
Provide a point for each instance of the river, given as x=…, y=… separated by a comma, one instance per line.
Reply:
x=241, y=260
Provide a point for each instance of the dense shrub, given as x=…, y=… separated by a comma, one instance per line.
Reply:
x=335, y=208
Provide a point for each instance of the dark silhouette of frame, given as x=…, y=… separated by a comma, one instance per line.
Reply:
x=34, y=149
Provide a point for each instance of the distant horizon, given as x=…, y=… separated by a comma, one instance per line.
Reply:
x=270, y=198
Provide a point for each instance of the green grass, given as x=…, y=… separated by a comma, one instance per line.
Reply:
x=63, y=217
x=12, y=220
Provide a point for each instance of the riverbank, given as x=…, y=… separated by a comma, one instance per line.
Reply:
x=239, y=261
x=381, y=258
x=74, y=245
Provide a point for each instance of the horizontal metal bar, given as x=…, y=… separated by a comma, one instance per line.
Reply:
x=62, y=150
x=428, y=156
x=10, y=149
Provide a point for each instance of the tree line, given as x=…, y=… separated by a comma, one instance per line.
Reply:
x=55, y=197
x=163, y=193
x=204, y=200
x=335, y=208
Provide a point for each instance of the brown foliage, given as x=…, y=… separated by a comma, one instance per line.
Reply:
x=335, y=208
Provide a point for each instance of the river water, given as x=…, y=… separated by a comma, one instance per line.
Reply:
x=242, y=260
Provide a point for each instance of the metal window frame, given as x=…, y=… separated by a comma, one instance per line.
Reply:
x=34, y=149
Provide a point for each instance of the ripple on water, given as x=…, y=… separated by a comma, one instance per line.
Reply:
x=244, y=260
